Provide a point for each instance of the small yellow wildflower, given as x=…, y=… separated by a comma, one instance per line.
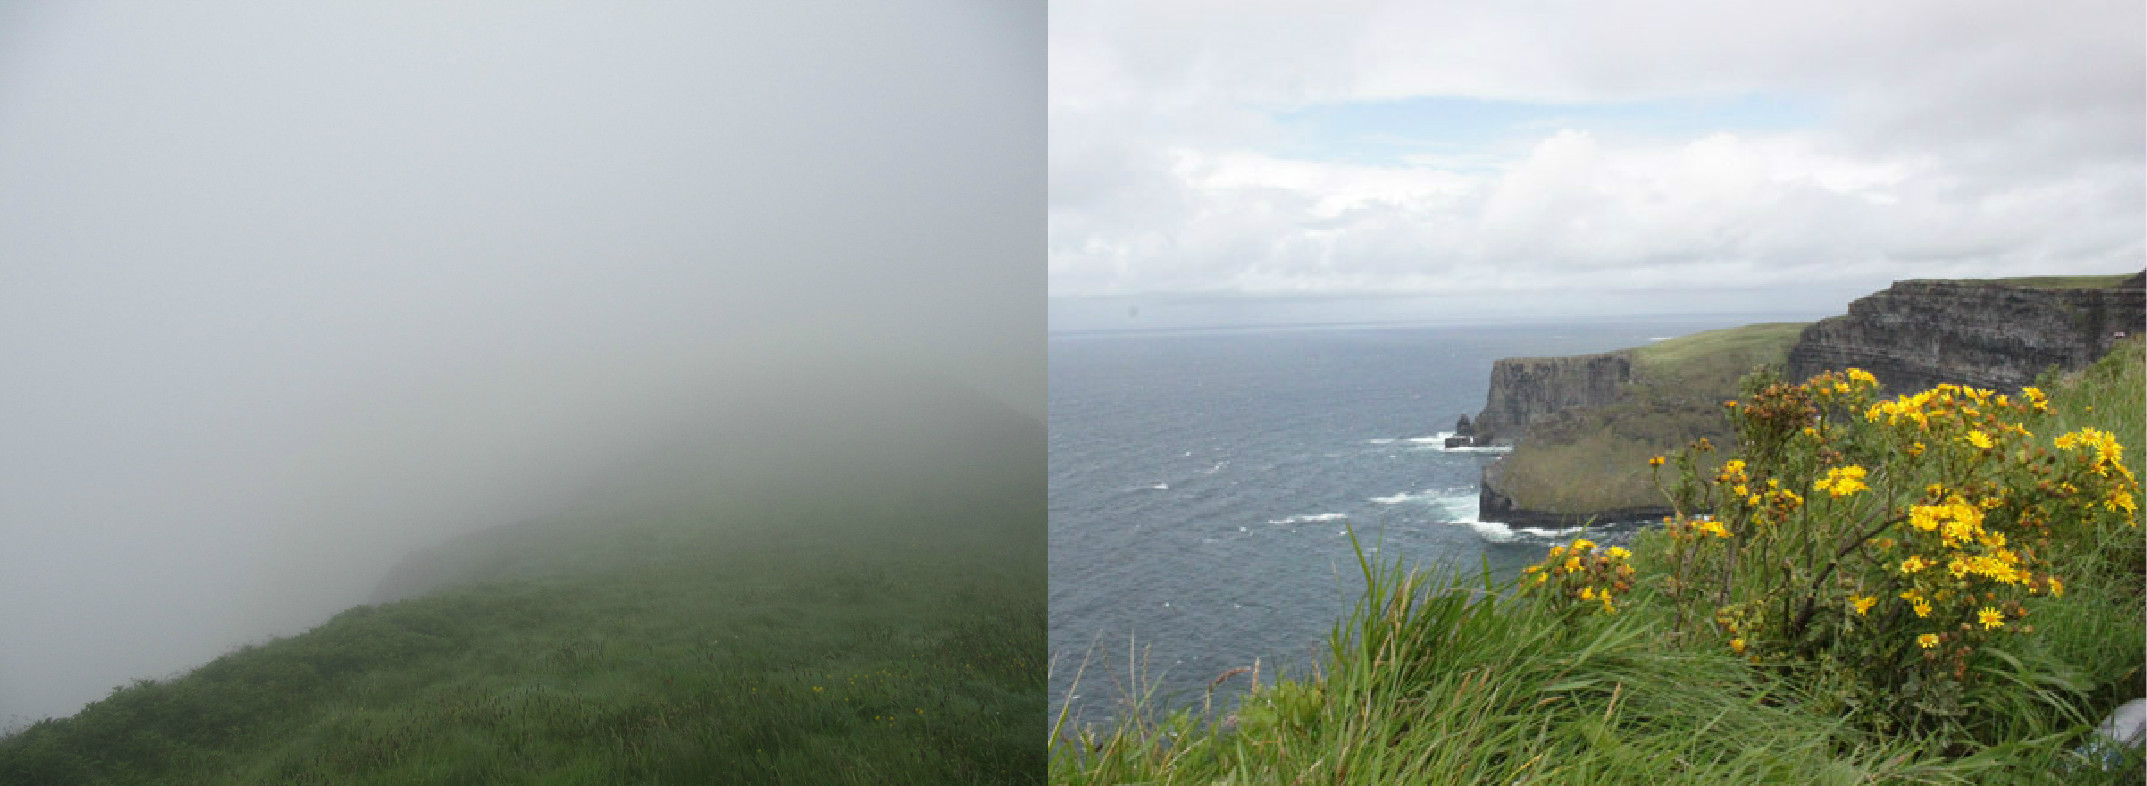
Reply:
x=1587, y=593
x=1913, y=564
x=1737, y=646
x=1979, y=439
x=1927, y=641
x=1863, y=603
x=2057, y=588
x=1990, y=618
x=2121, y=499
x=1655, y=462
x=1923, y=607
x=1617, y=552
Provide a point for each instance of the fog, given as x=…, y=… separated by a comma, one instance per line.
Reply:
x=290, y=291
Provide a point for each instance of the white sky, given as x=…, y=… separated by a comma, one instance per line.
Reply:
x=1786, y=154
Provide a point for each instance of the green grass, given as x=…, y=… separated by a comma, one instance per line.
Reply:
x=859, y=641
x=1596, y=459
x=1717, y=356
x=2048, y=282
x=1438, y=680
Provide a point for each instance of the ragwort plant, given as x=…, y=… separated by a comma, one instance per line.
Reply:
x=1886, y=543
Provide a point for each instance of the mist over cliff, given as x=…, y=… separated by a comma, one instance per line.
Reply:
x=295, y=290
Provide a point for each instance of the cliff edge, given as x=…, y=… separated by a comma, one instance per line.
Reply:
x=1996, y=334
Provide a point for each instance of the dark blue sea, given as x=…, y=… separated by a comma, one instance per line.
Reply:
x=1203, y=483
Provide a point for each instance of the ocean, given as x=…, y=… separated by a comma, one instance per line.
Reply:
x=1203, y=483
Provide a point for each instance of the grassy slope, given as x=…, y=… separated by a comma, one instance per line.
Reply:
x=859, y=641
x=1427, y=685
x=2050, y=282
x=1596, y=459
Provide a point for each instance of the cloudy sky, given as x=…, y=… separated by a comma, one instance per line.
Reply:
x=288, y=290
x=1773, y=155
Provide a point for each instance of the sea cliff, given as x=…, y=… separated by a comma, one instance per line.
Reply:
x=1524, y=390
x=1988, y=334
x=1582, y=427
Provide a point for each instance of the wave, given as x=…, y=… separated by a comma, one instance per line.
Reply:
x=1401, y=498
x=1437, y=443
x=1305, y=518
x=1466, y=509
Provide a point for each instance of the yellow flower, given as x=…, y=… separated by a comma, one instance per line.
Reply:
x=1737, y=646
x=1587, y=593
x=1655, y=462
x=1927, y=641
x=1915, y=449
x=2036, y=399
x=1582, y=544
x=1572, y=565
x=1990, y=618
x=1617, y=552
x=1863, y=603
x=1842, y=481
x=1923, y=607
x=1862, y=377
x=2057, y=588
x=1912, y=564
x=1979, y=439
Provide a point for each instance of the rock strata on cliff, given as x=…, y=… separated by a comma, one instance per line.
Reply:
x=1524, y=390
x=1988, y=334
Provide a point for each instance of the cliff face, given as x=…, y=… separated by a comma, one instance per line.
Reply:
x=1591, y=421
x=1524, y=390
x=1917, y=334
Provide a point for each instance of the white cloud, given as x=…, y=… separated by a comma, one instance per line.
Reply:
x=1948, y=139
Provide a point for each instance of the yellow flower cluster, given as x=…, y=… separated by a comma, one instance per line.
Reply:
x=1584, y=572
x=2036, y=399
x=1732, y=472
x=1943, y=403
x=1841, y=481
x=2109, y=455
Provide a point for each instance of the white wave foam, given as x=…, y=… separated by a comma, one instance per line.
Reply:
x=1437, y=442
x=1402, y=497
x=1159, y=486
x=1304, y=518
x=1385, y=441
x=1467, y=508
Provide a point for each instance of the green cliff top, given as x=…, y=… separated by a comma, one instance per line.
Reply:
x=2043, y=282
